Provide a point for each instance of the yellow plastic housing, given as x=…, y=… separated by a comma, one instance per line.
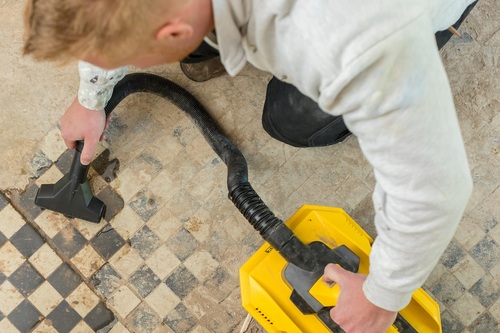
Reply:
x=266, y=295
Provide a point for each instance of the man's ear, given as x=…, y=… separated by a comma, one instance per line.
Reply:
x=174, y=30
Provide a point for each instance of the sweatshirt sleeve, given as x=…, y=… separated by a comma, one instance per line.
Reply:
x=96, y=84
x=396, y=99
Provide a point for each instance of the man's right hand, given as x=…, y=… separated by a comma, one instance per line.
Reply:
x=80, y=123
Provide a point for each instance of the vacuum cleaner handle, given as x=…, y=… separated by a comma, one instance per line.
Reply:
x=79, y=171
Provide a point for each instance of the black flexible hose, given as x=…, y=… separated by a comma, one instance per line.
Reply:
x=244, y=197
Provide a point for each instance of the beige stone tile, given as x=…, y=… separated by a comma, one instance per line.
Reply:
x=486, y=179
x=162, y=328
x=82, y=327
x=200, y=329
x=124, y=301
x=88, y=230
x=51, y=222
x=296, y=170
x=200, y=225
x=179, y=171
x=482, y=149
x=469, y=232
x=182, y=205
x=162, y=262
x=276, y=191
x=199, y=302
x=129, y=182
x=45, y=327
x=218, y=205
x=251, y=143
x=163, y=186
x=353, y=191
x=10, y=221
x=88, y=261
x=45, y=298
x=127, y=222
x=10, y=298
x=7, y=327
x=119, y=328
x=495, y=271
x=468, y=271
x=472, y=203
x=10, y=259
x=97, y=183
x=164, y=148
x=51, y=176
x=45, y=260
x=178, y=126
x=319, y=190
x=131, y=145
x=495, y=310
x=435, y=275
x=233, y=304
x=53, y=145
x=263, y=166
x=162, y=300
x=211, y=176
x=199, y=152
x=370, y=181
x=126, y=261
x=467, y=308
x=237, y=227
x=160, y=189
x=201, y=264
x=82, y=300
x=495, y=233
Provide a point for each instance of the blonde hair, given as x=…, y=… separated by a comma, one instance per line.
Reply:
x=65, y=30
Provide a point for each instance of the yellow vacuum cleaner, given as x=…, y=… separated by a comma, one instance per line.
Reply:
x=269, y=290
x=281, y=284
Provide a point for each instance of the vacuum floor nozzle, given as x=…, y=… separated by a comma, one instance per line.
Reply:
x=72, y=195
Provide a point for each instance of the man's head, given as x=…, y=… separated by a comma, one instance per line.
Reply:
x=113, y=33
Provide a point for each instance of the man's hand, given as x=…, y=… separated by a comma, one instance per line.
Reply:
x=80, y=123
x=353, y=312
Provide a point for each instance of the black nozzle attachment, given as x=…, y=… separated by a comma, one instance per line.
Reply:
x=72, y=195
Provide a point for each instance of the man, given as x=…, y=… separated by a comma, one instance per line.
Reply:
x=375, y=63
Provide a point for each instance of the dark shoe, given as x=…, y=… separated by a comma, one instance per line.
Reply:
x=204, y=62
x=442, y=37
x=203, y=71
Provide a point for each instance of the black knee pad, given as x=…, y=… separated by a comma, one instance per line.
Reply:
x=295, y=119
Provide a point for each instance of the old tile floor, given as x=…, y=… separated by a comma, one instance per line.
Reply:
x=166, y=256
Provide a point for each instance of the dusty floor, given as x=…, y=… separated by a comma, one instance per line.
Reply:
x=140, y=270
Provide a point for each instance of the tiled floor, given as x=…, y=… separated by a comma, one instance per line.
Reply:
x=166, y=257
x=38, y=289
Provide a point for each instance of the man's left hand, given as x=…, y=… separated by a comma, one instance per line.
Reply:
x=353, y=312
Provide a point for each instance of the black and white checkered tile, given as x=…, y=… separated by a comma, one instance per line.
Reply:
x=149, y=261
x=166, y=256
x=39, y=291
